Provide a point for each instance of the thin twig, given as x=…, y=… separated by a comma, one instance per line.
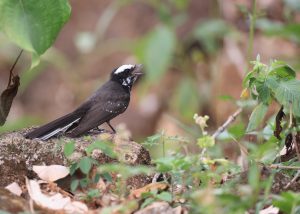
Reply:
x=293, y=180
x=276, y=166
x=230, y=119
x=222, y=128
x=12, y=68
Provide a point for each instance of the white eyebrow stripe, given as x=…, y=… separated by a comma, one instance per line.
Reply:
x=123, y=68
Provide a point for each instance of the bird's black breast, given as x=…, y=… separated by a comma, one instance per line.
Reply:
x=107, y=102
x=111, y=97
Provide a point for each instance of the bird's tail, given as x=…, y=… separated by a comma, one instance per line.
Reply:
x=55, y=127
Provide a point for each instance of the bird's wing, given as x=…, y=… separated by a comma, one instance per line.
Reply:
x=103, y=110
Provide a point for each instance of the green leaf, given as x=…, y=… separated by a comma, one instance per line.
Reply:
x=93, y=193
x=288, y=202
x=206, y=141
x=165, y=196
x=209, y=32
x=266, y=152
x=264, y=94
x=154, y=139
x=158, y=52
x=84, y=182
x=74, y=184
x=69, y=148
x=247, y=79
x=257, y=116
x=33, y=25
x=107, y=177
x=282, y=70
x=73, y=168
x=147, y=202
x=85, y=165
x=286, y=93
x=164, y=164
x=237, y=131
x=271, y=28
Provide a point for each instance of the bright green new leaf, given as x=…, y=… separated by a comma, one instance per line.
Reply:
x=282, y=70
x=287, y=93
x=33, y=25
x=206, y=141
x=257, y=116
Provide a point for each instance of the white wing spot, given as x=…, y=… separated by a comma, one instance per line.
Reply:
x=123, y=68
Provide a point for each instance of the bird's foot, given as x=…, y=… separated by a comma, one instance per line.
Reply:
x=97, y=130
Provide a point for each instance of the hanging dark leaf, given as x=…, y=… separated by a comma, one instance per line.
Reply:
x=278, y=128
x=9, y=93
x=7, y=98
x=289, y=143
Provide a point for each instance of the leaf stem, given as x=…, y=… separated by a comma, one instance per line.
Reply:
x=252, y=17
x=12, y=68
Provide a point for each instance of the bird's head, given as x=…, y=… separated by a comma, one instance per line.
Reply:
x=126, y=75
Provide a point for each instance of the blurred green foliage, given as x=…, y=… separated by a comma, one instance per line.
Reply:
x=156, y=51
x=33, y=26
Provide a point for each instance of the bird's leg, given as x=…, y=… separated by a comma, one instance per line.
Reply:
x=112, y=128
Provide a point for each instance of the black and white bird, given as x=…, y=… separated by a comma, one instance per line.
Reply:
x=110, y=100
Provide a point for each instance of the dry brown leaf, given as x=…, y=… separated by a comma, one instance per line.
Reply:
x=270, y=210
x=51, y=173
x=14, y=188
x=55, y=201
x=150, y=187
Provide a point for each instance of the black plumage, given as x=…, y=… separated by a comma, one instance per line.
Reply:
x=110, y=100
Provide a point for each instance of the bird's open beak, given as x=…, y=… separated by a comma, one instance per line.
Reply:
x=138, y=70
